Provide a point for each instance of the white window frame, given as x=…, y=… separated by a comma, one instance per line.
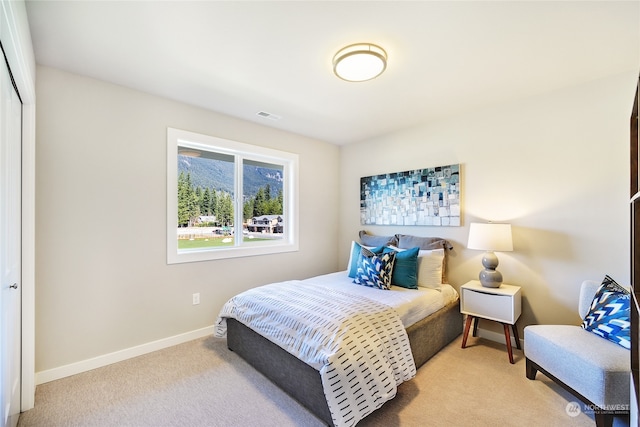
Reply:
x=289, y=161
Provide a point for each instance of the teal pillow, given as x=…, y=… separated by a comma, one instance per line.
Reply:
x=405, y=268
x=356, y=248
x=353, y=259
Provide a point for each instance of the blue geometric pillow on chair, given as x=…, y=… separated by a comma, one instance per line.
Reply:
x=375, y=270
x=609, y=315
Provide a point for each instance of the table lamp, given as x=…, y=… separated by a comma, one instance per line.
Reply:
x=490, y=237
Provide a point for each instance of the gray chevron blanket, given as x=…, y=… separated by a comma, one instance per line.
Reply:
x=359, y=346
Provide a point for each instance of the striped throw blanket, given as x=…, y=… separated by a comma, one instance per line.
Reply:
x=359, y=346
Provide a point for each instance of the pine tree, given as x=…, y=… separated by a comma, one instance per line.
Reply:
x=205, y=203
x=184, y=195
x=258, y=203
x=213, y=205
x=247, y=210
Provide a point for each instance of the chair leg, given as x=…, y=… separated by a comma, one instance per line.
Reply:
x=603, y=420
x=530, y=370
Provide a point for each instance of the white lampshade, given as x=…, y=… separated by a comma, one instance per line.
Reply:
x=490, y=237
x=360, y=62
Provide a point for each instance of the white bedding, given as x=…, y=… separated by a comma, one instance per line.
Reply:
x=359, y=345
x=411, y=304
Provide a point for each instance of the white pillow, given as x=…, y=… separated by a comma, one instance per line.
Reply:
x=430, y=268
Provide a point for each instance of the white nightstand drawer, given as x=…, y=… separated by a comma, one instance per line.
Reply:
x=490, y=306
x=501, y=304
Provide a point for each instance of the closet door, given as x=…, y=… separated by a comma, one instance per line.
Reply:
x=10, y=248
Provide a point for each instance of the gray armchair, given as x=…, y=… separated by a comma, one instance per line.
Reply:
x=592, y=368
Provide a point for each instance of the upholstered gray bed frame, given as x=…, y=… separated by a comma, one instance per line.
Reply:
x=303, y=383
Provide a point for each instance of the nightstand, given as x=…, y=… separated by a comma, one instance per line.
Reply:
x=503, y=304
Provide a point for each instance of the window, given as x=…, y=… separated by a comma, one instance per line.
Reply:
x=228, y=199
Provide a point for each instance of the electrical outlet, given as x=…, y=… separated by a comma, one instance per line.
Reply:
x=196, y=298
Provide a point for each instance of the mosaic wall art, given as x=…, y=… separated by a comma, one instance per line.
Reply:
x=417, y=197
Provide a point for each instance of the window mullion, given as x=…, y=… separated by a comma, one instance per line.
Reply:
x=237, y=203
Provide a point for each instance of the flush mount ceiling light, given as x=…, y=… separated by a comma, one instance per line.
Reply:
x=360, y=62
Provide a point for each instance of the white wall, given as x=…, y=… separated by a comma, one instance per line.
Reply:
x=555, y=166
x=102, y=281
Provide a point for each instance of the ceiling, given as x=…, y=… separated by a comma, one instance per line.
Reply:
x=244, y=57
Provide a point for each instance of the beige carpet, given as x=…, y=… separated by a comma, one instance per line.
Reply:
x=201, y=383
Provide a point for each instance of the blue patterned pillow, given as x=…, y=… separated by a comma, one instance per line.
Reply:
x=375, y=270
x=609, y=315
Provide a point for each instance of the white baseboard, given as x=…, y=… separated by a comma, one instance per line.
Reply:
x=497, y=337
x=128, y=353
x=118, y=356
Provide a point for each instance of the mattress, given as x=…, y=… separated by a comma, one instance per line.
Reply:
x=411, y=305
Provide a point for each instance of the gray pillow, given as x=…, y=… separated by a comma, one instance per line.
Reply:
x=406, y=241
x=371, y=240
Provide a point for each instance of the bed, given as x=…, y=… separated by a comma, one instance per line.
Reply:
x=288, y=347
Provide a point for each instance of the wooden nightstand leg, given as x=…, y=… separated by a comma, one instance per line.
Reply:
x=515, y=335
x=507, y=336
x=467, y=326
x=475, y=326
